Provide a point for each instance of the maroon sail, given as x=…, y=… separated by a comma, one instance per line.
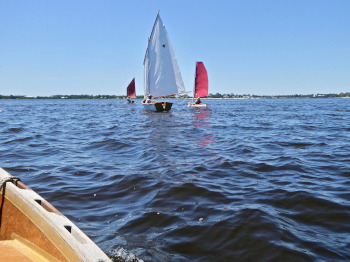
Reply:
x=130, y=91
x=201, y=81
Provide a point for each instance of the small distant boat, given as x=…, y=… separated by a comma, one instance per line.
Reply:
x=131, y=92
x=201, y=85
x=162, y=73
x=31, y=229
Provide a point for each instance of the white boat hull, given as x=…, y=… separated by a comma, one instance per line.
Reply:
x=149, y=107
x=196, y=105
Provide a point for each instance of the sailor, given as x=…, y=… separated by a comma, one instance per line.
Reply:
x=148, y=100
x=198, y=101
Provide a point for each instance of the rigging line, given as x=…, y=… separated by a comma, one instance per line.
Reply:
x=9, y=179
x=3, y=185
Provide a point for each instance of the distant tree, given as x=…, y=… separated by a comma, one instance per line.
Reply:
x=217, y=95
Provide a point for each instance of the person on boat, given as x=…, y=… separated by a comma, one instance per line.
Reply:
x=128, y=100
x=198, y=101
x=148, y=100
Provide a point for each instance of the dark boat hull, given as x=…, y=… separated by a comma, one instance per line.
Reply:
x=158, y=106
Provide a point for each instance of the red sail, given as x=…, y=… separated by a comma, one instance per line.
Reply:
x=201, y=81
x=130, y=91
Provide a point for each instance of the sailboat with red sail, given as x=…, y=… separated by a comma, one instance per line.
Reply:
x=201, y=85
x=130, y=91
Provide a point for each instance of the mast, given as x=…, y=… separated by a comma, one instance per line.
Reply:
x=149, y=38
x=146, y=53
x=194, y=83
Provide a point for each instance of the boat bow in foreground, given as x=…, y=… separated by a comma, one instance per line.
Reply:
x=31, y=229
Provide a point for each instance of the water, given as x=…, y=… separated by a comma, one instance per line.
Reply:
x=243, y=180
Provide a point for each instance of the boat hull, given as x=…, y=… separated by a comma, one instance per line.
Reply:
x=157, y=106
x=196, y=105
x=39, y=231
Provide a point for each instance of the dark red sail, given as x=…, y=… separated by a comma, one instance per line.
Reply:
x=130, y=91
x=201, y=82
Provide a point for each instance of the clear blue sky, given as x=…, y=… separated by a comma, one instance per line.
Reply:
x=263, y=47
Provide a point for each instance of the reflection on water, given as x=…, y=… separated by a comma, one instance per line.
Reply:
x=201, y=117
x=202, y=120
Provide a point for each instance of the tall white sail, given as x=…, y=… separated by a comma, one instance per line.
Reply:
x=162, y=73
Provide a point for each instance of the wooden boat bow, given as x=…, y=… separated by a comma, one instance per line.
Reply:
x=31, y=229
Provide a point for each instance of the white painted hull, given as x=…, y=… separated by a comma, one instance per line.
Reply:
x=149, y=107
x=196, y=105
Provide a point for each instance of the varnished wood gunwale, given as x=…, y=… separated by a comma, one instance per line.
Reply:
x=26, y=214
x=13, y=221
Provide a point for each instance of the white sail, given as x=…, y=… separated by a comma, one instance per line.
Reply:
x=162, y=73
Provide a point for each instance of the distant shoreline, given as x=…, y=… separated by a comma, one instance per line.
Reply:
x=211, y=96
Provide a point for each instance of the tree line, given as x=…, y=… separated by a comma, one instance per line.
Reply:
x=217, y=95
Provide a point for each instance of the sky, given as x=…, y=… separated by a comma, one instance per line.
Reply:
x=260, y=47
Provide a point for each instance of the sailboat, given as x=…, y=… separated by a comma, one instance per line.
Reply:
x=162, y=74
x=130, y=91
x=201, y=85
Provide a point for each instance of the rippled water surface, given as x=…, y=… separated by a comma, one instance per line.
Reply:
x=243, y=180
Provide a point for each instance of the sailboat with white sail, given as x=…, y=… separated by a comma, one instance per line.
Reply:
x=162, y=74
x=201, y=85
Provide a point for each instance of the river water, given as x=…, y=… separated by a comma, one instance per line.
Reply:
x=243, y=180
